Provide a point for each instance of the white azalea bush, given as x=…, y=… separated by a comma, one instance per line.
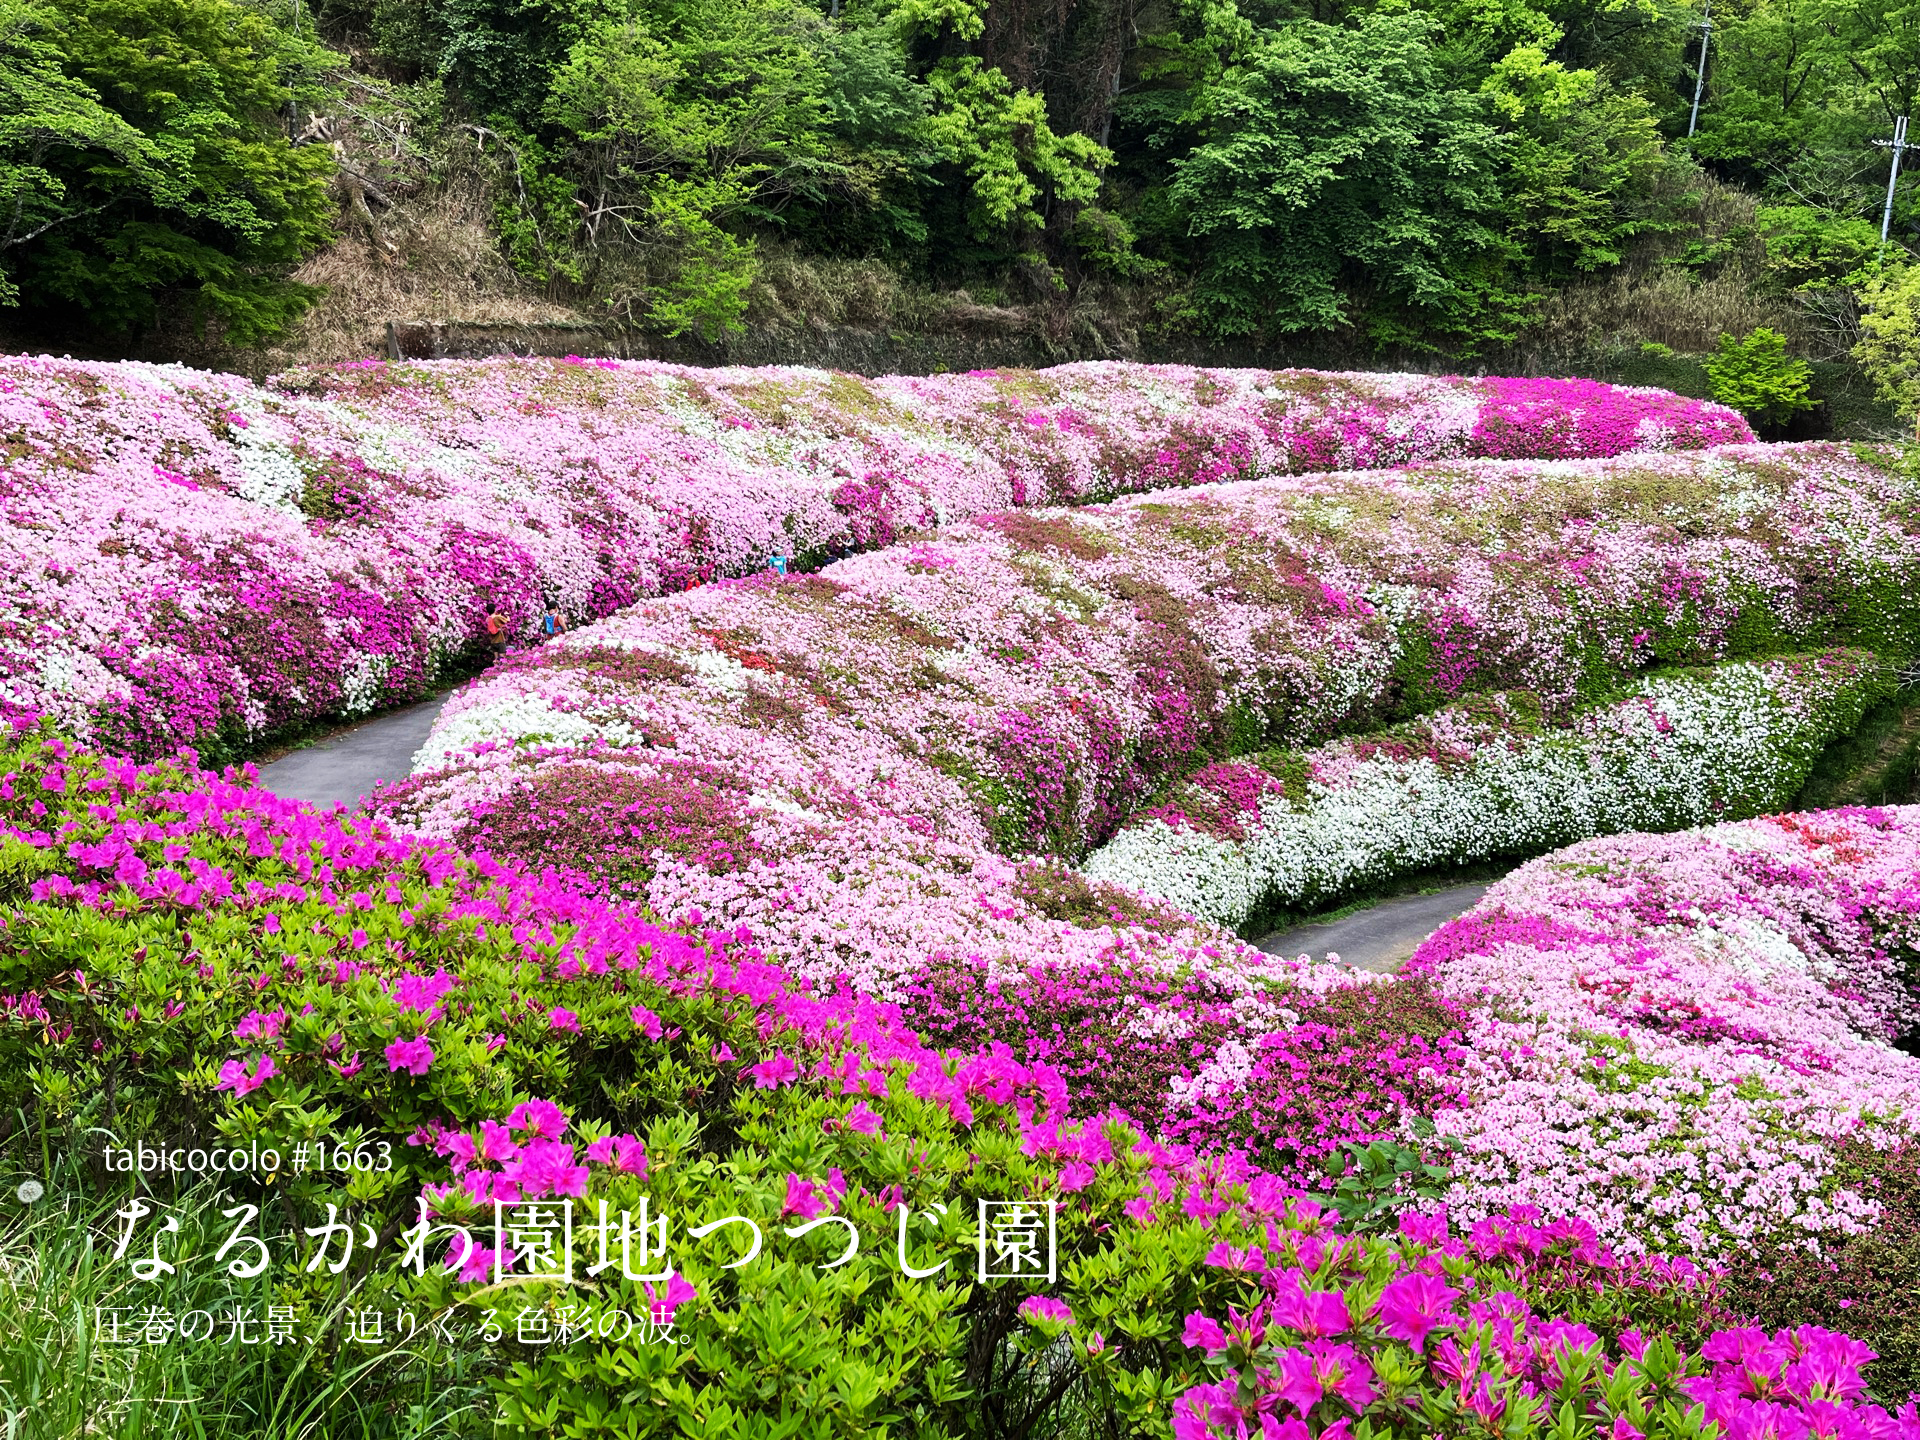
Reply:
x=1478, y=781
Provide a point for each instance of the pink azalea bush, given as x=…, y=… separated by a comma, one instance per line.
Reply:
x=193, y=558
x=876, y=771
x=1671, y=1033
x=160, y=918
x=858, y=765
x=1344, y=1338
x=755, y=904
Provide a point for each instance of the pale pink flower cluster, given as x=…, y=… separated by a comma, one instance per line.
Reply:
x=1670, y=1030
x=878, y=745
x=188, y=553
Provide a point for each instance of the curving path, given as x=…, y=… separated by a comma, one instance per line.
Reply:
x=1381, y=937
x=347, y=766
x=344, y=768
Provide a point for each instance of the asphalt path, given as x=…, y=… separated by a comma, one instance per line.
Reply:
x=1381, y=937
x=344, y=768
x=348, y=765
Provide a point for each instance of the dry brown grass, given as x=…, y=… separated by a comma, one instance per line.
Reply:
x=1655, y=298
x=793, y=290
x=1664, y=305
x=444, y=265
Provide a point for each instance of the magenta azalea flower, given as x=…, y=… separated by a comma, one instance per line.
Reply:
x=497, y=1144
x=675, y=1293
x=801, y=1202
x=475, y=1262
x=235, y=1076
x=1075, y=1175
x=646, y=1021
x=258, y=1025
x=1036, y=1309
x=546, y=1167
x=1313, y=1313
x=623, y=1152
x=414, y=1056
x=1413, y=1306
x=542, y=1117
x=1204, y=1334
x=773, y=1073
x=1299, y=1386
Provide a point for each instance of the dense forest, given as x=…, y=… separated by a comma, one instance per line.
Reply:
x=1360, y=178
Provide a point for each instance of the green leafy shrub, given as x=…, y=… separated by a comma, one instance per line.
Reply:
x=1809, y=248
x=1373, y=1183
x=1866, y=1284
x=1889, y=348
x=1758, y=378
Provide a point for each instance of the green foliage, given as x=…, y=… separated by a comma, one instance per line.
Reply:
x=1758, y=378
x=1375, y=1182
x=667, y=134
x=1579, y=157
x=707, y=290
x=1333, y=160
x=44, y=114
x=1810, y=248
x=1421, y=175
x=999, y=137
x=59, y=1274
x=1889, y=348
x=1794, y=77
x=501, y=55
x=146, y=157
x=681, y=118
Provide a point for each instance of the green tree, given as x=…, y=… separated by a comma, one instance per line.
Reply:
x=1777, y=70
x=47, y=118
x=1580, y=157
x=1809, y=81
x=500, y=56
x=1335, y=177
x=166, y=170
x=1811, y=249
x=680, y=120
x=881, y=138
x=997, y=137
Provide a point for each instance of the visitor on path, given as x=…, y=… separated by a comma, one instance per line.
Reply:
x=497, y=630
x=551, y=624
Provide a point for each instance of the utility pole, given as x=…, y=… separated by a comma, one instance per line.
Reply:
x=1899, y=147
x=1700, y=75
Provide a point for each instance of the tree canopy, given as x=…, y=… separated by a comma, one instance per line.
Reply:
x=1413, y=173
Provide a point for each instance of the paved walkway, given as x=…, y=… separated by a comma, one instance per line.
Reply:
x=1381, y=937
x=345, y=767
